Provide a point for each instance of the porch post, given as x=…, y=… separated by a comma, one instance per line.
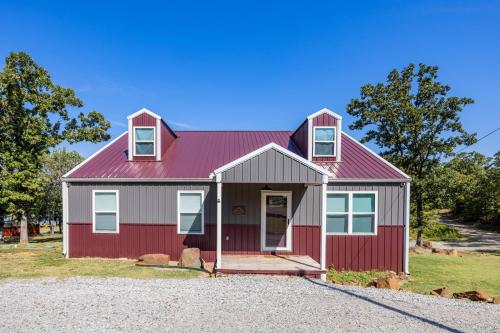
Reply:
x=324, y=188
x=406, y=267
x=219, y=220
x=65, y=218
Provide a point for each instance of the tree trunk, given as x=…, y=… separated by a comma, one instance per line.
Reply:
x=1, y=228
x=420, y=218
x=59, y=221
x=51, y=223
x=23, y=239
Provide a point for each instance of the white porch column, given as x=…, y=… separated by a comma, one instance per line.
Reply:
x=324, y=188
x=406, y=267
x=219, y=221
x=65, y=217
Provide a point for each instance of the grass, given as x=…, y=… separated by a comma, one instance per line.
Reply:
x=43, y=258
x=470, y=272
x=350, y=277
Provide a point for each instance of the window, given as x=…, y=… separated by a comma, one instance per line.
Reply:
x=144, y=144
x=324, y=141
x=351, y=213
x=105, y=211
x=190, y=212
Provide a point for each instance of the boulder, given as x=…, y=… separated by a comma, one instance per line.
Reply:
x=190, y=257
x=452, y=252
x=427, y=244
x=495, y=300
x=402, y=276
x=438, y=251
x=443, y=292
x=475, y=295
x=388, y=283
x=417, y=249
x=154, y=259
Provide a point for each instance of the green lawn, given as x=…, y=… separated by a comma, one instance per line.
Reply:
x=43, y=258
x=469, y=272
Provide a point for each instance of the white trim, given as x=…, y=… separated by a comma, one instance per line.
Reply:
x=366, y=180
x=406, y=267
x=334, y=141
x=65, y=217
x=288, y=246
x=377, y=155
x=144, y=110
x=202, y=193
x=137, y=180
x=324, y=110
x=130, y=141
x=158, y=139
x=93, y=155
x=338, y=140
x=350, y=213
x=324, y=189
x=309, y=141
x=265, y=148
x=219, y=225
x=117, y=212
x=147, y=141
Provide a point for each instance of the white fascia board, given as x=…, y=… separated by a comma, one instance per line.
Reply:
x=368, y=180
x=377, y=156
x=267, y=147
x=137, y=180
x=144, y=110
x=324, y=110
x=93, y=155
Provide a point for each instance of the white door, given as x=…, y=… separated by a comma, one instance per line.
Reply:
x=276, y=221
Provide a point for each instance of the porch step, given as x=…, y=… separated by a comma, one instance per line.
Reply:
x=306, y=273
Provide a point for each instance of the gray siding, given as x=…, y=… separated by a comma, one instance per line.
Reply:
x=140, y=202
x=306, y=207
x=271, y=166
x=390, y=200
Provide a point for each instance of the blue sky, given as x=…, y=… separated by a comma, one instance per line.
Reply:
x=255, y=65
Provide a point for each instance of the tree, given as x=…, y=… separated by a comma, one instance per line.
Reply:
x=34, y=118
x=55, y=165
x=411, y=118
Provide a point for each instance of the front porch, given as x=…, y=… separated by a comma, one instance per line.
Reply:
x=293, y=265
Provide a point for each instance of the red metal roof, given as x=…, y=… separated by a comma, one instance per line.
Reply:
x=195, y=154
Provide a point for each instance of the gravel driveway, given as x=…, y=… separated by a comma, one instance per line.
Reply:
x=236, y=303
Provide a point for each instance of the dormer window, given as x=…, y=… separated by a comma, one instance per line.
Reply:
x=324, y=141
x=144, y=141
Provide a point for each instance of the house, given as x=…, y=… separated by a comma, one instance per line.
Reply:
x=314, y=194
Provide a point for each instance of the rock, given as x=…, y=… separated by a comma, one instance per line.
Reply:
x=495, y=300
x=438, y=251
x=388, y=283
x=402, y=276
x=154, y=259
x=417, y=249
x=475, y=295
x=452, y=252
x=190, y=257
x=427, y=244
x=443, y=292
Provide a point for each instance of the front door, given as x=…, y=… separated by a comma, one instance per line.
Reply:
x=276, y=221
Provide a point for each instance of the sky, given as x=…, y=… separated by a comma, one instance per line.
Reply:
x=251, y=65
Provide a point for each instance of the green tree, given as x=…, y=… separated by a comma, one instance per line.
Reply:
x=55, y=165
x=414, y=122
x=34, y=117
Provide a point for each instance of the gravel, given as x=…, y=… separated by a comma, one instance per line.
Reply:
x=236, y=303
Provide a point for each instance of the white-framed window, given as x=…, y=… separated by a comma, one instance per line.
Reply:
x=324, y=141
x=144, y=141
x=105, y=211
x=351, y=213
x=190, y=212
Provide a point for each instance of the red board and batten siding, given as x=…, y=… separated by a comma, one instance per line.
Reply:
x=324, y=120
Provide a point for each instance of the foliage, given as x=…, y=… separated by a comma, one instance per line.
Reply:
x=415, y=123
x=350, y=277
x=34, y=117
x=470, y=186
x=36, y=261
x=433, y=230
x=470, y=271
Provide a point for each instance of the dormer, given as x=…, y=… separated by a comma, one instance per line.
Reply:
x=148, y=136
x=319, y=136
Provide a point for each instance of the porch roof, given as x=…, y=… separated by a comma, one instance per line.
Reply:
x=272, y=164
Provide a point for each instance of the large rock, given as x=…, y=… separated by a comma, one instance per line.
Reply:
x=427, y=244
x=438, y=251
x=443, y=292
x=496, y=300
x=475, y=295
x=388, y=282
x=452, y=252
x=417, y=249
x=154, y=259
x=190, y=257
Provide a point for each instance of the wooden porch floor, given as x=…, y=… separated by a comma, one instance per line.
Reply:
x=270, y=264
